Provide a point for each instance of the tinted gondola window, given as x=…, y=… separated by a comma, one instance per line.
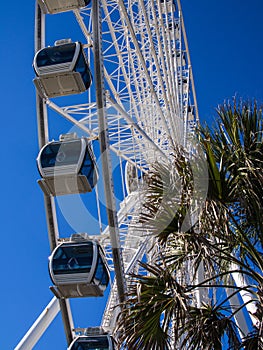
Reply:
x=73, y=259
x=60, y=154
x=87, y=168
x=92, y=343
x=83, y=69
x=56, y=55
x=102, y=273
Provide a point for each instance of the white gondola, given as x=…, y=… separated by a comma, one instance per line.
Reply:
x=131, y=178
x=168, y=5
x=78, y=268
x=180, y=59
x=57, y=6
x=98, y=342
x=67, y=166
x=61, y=69
x=134, y=178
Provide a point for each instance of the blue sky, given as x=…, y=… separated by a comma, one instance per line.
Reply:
x=226, y=47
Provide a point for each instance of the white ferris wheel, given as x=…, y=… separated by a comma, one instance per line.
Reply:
x=125, y=87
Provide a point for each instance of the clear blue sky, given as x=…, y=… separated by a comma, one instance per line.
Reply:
x=226, y=47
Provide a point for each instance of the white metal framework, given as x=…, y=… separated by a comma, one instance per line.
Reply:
x=141, y=103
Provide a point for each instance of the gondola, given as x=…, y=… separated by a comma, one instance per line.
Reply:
x=135, y=178
x=97, y=342
x=57, y=6
x=67, y=166
x=61, y=69
x=78, y=269
x=168, y=5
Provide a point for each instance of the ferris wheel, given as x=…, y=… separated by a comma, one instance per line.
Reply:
x=124, y=84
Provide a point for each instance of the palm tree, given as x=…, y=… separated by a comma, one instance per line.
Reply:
x=180, y=301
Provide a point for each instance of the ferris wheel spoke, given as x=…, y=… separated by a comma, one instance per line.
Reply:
x=142, y=79
x=134, y=245
x=162, y=76
x=86, y=31
x=120, y=137
x=136, y=126
x=111, y=312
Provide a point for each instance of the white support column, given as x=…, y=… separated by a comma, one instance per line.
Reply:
x=248, y=298
x=239, y=316
x=39, y=327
